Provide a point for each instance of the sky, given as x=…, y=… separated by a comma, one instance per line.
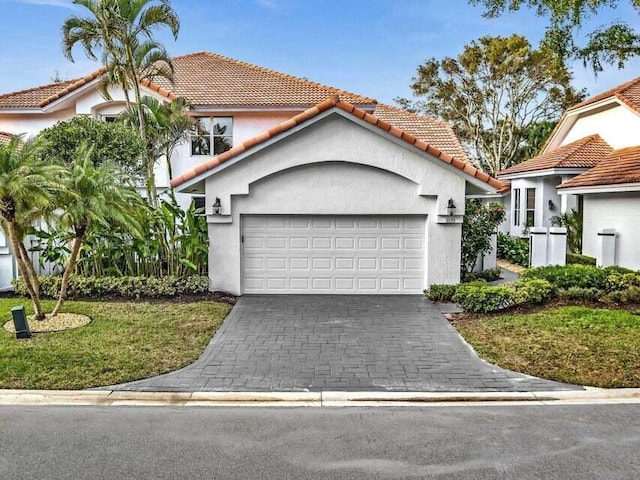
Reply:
x=370, y=47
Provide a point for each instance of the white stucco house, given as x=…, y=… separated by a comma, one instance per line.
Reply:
x=307, y=188
x=591, y=164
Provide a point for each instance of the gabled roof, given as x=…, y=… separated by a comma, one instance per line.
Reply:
x=618, y=167
x=335, y=102
x=5, y=138
x=628, y=93
x=209, y=79
x=583, y=153
x=436, y=132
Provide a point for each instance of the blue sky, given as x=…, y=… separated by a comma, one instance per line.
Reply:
x=371, y=47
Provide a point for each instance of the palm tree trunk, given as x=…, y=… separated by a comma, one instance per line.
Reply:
x=77, y=243
x=33, y=275
x=15, y=244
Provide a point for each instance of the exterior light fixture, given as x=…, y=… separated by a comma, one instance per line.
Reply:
x=217, y=207
x=451, y=207
x=552, y=205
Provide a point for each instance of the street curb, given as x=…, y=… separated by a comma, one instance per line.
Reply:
x=313, y=399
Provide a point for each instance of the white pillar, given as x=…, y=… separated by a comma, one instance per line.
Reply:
x=538, y=240
x=557, y=249
x=489, y=261
x=606, y=254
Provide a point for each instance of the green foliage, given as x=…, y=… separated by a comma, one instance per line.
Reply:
x=534, y=137
x=479, y=223
x=442, y=292
x=572, y=221
x=513, y=249
x=128, y=287
x=564, y=277
x=482, y=298
x=628, y=295
x=581, y=294
x=578, y=259
x=613, y=44
x=490, y=275
x=110, y=142
x=493, y=93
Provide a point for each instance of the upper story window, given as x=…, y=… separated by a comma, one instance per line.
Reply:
x=531, y=207
x=212, y=135
x=108, y=118
x=516, y=207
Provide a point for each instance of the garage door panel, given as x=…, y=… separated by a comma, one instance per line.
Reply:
x=339, y=254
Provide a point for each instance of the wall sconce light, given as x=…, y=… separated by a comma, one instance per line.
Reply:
x=552, y=206
x=451, y=207
x=217, y=207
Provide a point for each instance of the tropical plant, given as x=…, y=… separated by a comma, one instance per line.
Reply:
x=112, y=143
x=572, y=221
x=122, y=33
x=478, y=225
x=94, y=195
x=27, y=190
x=492, y=94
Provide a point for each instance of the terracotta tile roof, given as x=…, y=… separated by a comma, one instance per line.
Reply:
x=5, y=138
x=208, y=79
x=583, y=153
x=335, y=101
x=435, y=132
x=619, y=166
x=628, y=93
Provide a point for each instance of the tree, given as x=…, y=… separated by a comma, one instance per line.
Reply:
x=534, y=138
x=27, y=190
x=612, y=44
x=112, y=143
x=492, y=93
x=121, y=31
x=167, y=124
x=95, y=195
x=478, y=224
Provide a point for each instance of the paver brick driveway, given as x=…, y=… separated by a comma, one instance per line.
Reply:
x=327, y=342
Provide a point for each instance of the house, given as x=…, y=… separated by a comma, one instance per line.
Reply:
x=590, y=164
x=271, y=152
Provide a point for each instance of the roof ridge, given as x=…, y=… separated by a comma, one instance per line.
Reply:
x=334, y=101
x=287, y=76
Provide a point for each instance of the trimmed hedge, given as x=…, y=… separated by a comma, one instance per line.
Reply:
x=487, y=275
x=129, y=287
x=513, y=249
x=441, y=292
x=482, y=298
x=577, y=259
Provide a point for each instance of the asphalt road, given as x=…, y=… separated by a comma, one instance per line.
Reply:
x=502, y=442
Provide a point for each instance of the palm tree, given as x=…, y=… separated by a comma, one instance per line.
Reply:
x=95, y=195
x=122, y=32
x=27, y=190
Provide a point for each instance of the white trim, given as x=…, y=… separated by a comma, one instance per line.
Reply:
x=544, y=173
x=621, y=187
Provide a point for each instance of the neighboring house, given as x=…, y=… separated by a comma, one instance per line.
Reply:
x=237, y=105
x=589, y=164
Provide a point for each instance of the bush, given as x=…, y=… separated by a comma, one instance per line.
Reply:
x=482, y=298
x=577, y=259
x=582, y=294
x=630, y=295
x=515, y=250
x=487, y=275
x=441, y=292
x=129, y=287
x=565, y=277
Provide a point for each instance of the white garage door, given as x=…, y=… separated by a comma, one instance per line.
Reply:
x=333, y=254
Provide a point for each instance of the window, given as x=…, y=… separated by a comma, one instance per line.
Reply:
x=531, y=207
x=199, y=205
x=516, y=207
x=212, y=135
x=108, y=118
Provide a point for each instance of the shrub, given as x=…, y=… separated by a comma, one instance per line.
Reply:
x=577, y=259
x=565, y=277
x=442, y=292
x=629, y=295
x=487, y=275
x=130, y=287
x=484, y=298
x=478, y=225
x=513, y=249
x=582, y=294
x=532, y=290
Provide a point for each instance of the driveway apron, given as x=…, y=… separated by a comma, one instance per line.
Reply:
x=340, y=342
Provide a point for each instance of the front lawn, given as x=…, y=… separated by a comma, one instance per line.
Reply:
x=125, y=341
x=586, y=346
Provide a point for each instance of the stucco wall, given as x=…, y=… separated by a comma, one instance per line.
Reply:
x=618, y=126
x=334, y=166
x=620, y=211
x=545, y=191
x=6, y=263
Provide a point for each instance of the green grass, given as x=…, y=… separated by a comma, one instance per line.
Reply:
x=124, y=342
x=586, y=346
